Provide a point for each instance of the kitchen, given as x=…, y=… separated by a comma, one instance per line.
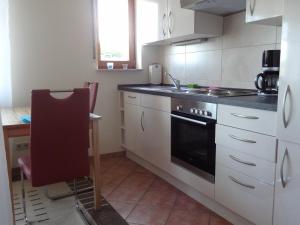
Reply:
x=244, y=164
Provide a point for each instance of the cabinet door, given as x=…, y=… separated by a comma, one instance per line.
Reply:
x=264, y=11
x=287, y=187
x=156, y=138
x=151, y=20
x=180, y=21
x=132, y=125
x=289, y=91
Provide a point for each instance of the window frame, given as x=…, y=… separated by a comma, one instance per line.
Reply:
x=102, y=64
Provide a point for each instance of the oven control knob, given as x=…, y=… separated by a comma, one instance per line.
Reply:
x=193, y=110
x=200, y=112
x=204, y=113
x=179, y=108
x=209, y=114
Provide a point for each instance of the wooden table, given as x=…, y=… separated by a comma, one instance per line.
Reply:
x=14, y=127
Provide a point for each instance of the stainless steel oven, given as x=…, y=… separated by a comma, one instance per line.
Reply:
x=193, y=136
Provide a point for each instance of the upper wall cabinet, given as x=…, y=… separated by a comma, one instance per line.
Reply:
x=268, y=12
x=164, y=21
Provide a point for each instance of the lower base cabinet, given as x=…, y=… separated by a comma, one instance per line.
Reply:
x=287, y=186
x=244, y=195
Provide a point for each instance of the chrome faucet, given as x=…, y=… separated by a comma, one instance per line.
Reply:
x=176, y=82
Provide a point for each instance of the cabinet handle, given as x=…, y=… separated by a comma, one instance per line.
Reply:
x=171, y=22
x=245, y=116
x=164, y=24
x=252, y=6
x=285, y=121
x=283, y=182
x=242, y=139
x=240, y=183
x=241, y=161
x=129, y=96
x=142, y=121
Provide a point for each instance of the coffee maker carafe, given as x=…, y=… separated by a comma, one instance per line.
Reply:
x=267, y=81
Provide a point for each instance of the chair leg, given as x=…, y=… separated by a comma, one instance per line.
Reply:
x=23, y=199
x=78, y=208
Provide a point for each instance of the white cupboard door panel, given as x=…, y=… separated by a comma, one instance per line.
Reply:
x=286, y=210
x=132, y=98
x=156, y=102
x=258, y=145
x=156, y=137
x=151, y=20
x=255, y=120
x=246, y=164
x=264, y=11
x=244, y=195
x=132, y=125
x=180, y=21
x=289, y=91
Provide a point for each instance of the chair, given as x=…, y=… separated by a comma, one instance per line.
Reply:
x=59, y=140
x=93, y=86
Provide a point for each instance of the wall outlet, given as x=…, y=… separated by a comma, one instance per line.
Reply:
x=22, y=146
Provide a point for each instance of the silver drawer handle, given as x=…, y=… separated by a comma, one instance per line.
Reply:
x=245, y=116
x=242, y=139
x=241, y=161
x=240, y=183
x=129, y=96
x=285, y=121
x=283, y=182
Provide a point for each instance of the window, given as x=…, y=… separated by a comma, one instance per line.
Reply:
x=116, y=33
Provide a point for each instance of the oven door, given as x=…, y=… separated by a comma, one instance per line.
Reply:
x=193, y=144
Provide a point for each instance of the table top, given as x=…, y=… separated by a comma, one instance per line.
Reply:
x=11, y=116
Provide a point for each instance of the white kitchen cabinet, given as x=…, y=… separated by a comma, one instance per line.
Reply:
x=287, y=187
x=156, y=137
x=267, y=12
x=244, y=195
x=289, y=92
x=151, y=20
x=132, y=125
x=164, y=22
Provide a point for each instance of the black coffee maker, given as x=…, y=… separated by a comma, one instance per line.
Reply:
x=267, y=81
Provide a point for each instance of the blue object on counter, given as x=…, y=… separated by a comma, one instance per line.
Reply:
x=25, y=118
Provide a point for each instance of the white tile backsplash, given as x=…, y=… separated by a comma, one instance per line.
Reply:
x=204, y=65
x=232, y=60
x=243, y=64
x=239, y=34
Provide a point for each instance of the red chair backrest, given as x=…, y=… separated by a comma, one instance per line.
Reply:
x=59, y=137
x=93, y=86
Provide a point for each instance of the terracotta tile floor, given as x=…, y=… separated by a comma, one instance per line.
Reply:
x=142, y=198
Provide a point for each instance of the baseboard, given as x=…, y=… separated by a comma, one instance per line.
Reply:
x=190, y=191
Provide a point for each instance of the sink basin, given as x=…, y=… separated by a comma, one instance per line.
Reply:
x=165, y=89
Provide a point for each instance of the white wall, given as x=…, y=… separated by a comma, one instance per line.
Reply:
x=232, y=60
x=52, y=47
x=5, y=206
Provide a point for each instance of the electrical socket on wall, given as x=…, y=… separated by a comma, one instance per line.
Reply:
x=22, y=146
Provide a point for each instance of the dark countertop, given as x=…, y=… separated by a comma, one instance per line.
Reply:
x=255, y=101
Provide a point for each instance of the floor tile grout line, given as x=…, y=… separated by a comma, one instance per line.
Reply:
x=136, y=204
x=172, y=208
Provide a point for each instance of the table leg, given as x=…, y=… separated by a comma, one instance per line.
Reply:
x=97, y=176
x=9, y=169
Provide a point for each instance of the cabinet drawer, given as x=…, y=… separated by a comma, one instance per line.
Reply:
x=260, y=121
x=246, y=164
x=161, y=103
x=244, y=195
x=258, y=145
x=132, y=98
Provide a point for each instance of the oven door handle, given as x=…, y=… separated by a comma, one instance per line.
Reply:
x=188, y=119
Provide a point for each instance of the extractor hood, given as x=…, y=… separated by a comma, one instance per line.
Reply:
x=216, y=7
